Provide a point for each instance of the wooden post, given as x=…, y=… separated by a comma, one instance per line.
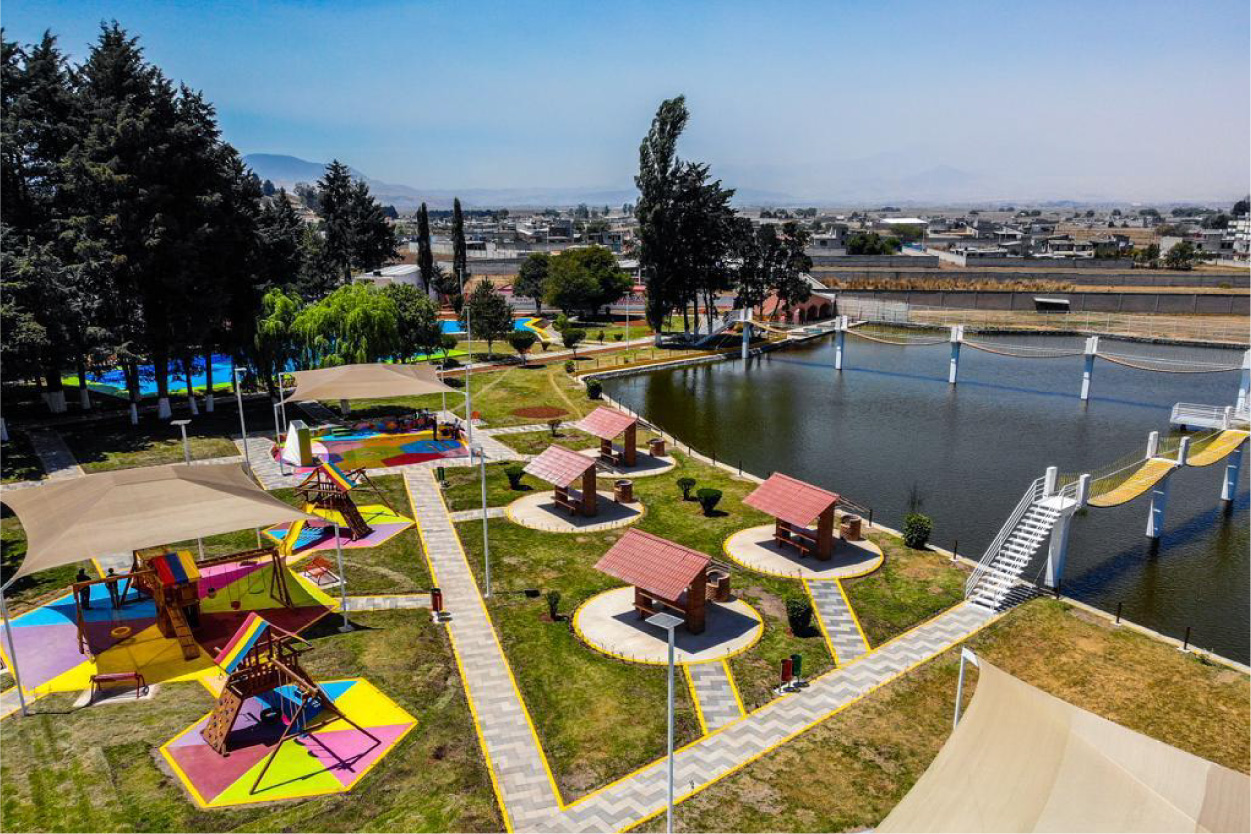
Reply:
x=589, y=508
x=696, y=596
x=631, y=442
x=825, y=534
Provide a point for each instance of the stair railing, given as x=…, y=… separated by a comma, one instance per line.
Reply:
x=1033, y=494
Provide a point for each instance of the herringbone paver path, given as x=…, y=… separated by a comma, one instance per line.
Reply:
x=57, y=459
x=642, y=794
x=388, y=602
x=527, y=429
x=714, y=689
x=837, y=621
x=512, y=749
x=260, y=452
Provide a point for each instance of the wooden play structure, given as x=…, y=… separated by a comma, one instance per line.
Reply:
x=795, y=505
x=667, y=577
x=562, y=467
x=606, y=424
x=263, y=661
x=172, y=580
x=329, y=488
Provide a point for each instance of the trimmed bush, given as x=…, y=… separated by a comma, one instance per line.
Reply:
x=618, y=336
x=553, y=604
x=600, y=337
x=917, y=529
x=514, y=474
x=594, y=389
x=554, y=425
x=569, y=366
x=708, y=499
x=799, y=615
x=686, y=485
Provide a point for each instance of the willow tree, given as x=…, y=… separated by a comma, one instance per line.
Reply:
x=355, y=323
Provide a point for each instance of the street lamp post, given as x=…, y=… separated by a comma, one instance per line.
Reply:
x=278, y=441
x=243, y=426
x=468, y=365
x=477, y=449
x=186, y=456
x=8, y=633
x=668, y=622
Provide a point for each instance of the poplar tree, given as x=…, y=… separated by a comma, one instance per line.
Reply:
x=425, y=253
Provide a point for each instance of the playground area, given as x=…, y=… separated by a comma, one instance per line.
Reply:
x=112, y=382
x=369, y=445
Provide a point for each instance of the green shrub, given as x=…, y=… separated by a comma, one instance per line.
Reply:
x=514, y=473
x=917, y=529
x=569, y=366
x=708, y=499
x=799, y=615
x=554, y=425
x=553, y=604
x=618, y=336
x=686, y=485
x=594, y=389
x=600, y=336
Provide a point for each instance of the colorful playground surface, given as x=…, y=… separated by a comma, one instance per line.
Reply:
x=113, y=382
x=369, y=449
x=313, y=536
x=530, y=324
x=330, y=759
x=127, y=639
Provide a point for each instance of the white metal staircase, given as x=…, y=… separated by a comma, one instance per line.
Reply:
x=995, y=581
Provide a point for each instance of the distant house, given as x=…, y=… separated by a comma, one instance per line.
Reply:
x=395, y=274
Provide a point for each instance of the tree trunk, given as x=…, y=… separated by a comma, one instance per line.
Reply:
x=187, y=367
x=55, y=396
x=131, y=371
x=208, y=379
x=84, y=395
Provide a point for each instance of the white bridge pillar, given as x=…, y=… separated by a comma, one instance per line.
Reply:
x=1159, y=503
x=1092, y=348
x=1244, y=383
x=746, y=338
x=957, y=336
x=1058, y=545
x=840, y=339
x=1233, y=471
x=1153, y=444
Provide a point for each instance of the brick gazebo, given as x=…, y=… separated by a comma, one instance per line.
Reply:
x=795, y=505
x=561, y=468
x=606, y=424
x=666, y=577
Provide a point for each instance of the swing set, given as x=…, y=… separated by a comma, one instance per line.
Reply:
x=263, y=662
x=329, y=488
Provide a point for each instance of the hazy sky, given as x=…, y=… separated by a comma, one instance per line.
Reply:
x=1133, y=100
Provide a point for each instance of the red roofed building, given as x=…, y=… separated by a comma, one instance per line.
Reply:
x=795, y=505
x=605, y=423
x=561, y=467
x=665, y=576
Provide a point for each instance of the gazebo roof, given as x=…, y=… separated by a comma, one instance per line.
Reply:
x=605, y=423
x=656, y=565
x=559, y=466
x=791, y=500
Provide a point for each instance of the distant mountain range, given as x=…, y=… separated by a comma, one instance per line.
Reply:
x=286, y=171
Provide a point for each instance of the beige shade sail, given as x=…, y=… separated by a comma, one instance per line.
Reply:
x=366, y=382
x=1023, y=760
x=117, y=512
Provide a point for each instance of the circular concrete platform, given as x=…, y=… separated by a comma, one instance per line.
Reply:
x=644, y=465
x=755, y=548
x=538, y=511
x=609, y=624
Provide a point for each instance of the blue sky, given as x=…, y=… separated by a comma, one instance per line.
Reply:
x=1133, y=100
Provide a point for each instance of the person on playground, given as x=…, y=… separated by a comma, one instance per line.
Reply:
x=110, y=585
x=84, y=593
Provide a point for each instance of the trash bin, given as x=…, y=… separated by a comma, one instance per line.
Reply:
x=849, y=528
x=656, y=446
x=623, y=491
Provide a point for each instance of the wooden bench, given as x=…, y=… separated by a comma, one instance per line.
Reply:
x=805, y=541
x=98, y=681
x=317, y=568
x=562, y=499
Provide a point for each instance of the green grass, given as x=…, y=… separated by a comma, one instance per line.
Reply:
x=535, y=442
x=95, y=769
x=464, y=490
x=849, y=771
x=18, y=461
x=909, y=588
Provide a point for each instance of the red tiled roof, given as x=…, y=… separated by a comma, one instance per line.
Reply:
x=559, y=466
x=790, y=500
x=605, y=423
x=656, y=565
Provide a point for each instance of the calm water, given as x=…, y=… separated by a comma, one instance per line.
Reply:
x=890, y=422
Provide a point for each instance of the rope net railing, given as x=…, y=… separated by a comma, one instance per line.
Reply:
x=901, y=336
x=1024, y=351
x=1161, y=364
x=1109, y=477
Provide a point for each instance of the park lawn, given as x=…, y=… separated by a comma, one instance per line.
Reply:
x=464, y=487
x=97, y=769
x=848, y=772
x=911, y=587
x=535, y=442
x=18, y=461
x=116, y=444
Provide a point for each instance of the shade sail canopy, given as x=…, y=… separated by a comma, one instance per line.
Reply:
x=366, y=382
x=1023, y=760
x=656, y=565
x=117, y=512
x=791, y=500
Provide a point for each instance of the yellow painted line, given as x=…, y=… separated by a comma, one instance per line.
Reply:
x=1225, y=444
x=846, y=601
x=1148, y=475
x=738, y=699
x=872, y=566
x=699, y=708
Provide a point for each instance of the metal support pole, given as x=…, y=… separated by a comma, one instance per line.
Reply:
x=1088, y=371
x=957, y=336
x=965, y=654
x=8, y=633
x=486, y=536
x=278, y=442
x=282, y=401
x=243, y=426
x=343, y=606
x=669, y=743
x=1233, y=470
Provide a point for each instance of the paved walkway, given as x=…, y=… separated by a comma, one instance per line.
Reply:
x=474, y=515
x=527, y=429
x=527, y=796
x=260, y=452
x=842, y=633
x=388, y=602
x=57, y=459
x=715, y=696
